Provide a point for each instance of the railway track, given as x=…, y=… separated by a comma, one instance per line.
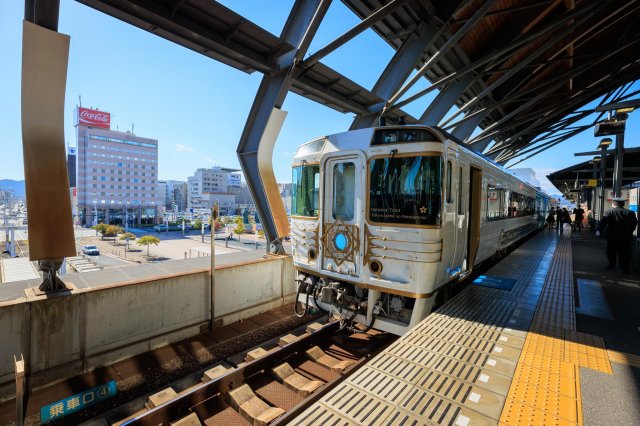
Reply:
x=268, y=385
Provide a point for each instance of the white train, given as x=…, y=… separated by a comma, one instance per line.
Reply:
x=382, y=218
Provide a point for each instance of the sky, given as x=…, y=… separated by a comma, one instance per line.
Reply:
x=197, y=107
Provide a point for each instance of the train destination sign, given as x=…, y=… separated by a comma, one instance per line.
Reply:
x=77, y=402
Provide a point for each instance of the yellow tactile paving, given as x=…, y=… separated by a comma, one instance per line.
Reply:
x=586, y=350
x=624, y=358
x=487, y=356
x=516, y=413
x=554, y=382
x=546, y=384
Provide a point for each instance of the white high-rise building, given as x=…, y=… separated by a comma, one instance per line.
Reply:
x=117, y=172
x=214, y=185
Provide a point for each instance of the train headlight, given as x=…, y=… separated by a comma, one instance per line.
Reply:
x=312, y=254
x=375, y=267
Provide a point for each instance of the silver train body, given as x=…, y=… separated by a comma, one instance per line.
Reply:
x=382, y=218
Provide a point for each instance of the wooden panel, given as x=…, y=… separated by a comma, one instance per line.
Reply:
x=45, y=56
x=265, y=167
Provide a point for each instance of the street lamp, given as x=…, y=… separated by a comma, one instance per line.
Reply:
x=126, y=217
x=602, y=146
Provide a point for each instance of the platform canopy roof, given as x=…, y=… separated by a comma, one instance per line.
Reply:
x=520, y=70
x=576, y=176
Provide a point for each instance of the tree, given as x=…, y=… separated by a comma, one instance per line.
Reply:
x=239, y=229
x=147, y=240
x=101, y=228
x=197, y=224
x=113, y=230
x=127, y=236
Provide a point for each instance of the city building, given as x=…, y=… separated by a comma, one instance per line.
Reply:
x=117, y=172
x=163, y=196
x=214, y=185
x=176, y=195
x=71, y=165
x=6, y=197
x=244, y=200
x=528, y=175
x=285, y=194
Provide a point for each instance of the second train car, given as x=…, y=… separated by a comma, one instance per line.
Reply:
x=382, y=218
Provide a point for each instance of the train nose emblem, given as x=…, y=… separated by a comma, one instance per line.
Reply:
x=340, y=242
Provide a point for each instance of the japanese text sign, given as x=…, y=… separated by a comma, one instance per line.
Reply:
x=77, y=402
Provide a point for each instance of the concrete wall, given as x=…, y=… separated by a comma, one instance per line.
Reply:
x=66, y=335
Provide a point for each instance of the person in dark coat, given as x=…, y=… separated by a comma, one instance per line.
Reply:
x=579, y=216
x=566, y=218
x=551, y=218
x=618, y=225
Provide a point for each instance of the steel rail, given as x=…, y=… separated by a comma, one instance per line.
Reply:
x=179, y=407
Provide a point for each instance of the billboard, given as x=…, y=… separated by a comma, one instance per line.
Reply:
x=93, y=118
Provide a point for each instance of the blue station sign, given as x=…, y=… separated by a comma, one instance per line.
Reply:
x=77, y=402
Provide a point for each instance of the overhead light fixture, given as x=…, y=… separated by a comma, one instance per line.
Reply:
x=624, y=110
x=596, y=160
x=609, y=127
x=604, y=143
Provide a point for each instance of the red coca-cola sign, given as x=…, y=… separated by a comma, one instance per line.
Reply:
x=93, y=118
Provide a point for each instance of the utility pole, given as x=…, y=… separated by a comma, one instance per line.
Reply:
x=214, y=216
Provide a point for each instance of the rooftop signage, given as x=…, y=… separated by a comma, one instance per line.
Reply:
x=93, y=118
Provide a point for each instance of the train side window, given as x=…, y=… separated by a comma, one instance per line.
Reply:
x=460, y=199
x=449, y=195
x=493, y=202
x=506, y=206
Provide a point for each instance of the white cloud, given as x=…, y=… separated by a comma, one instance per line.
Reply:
x=183, y=148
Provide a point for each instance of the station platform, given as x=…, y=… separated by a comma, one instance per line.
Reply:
x=517, y=356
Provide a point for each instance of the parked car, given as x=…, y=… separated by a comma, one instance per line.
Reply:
x=91, y=250
x=163, y=228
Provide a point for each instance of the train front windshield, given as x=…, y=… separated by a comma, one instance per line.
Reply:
x=305, y=190
x=405, y=190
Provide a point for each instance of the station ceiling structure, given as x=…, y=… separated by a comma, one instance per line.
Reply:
x=575, y=177
x=519, y=72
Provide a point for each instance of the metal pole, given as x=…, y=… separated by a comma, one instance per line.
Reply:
x=13, y=241
x=202, y=231
x=594, y=175
x=617, y=168
x=603, y=178
x=214, y=216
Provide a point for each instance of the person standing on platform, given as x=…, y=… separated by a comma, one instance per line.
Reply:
x=618, y=225
x=579, y=216
x=566, y=219
x=551, y=218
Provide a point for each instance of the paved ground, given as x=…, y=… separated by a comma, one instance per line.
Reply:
x=609, y=399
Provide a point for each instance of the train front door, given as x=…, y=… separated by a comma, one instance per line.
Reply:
x=344, y=178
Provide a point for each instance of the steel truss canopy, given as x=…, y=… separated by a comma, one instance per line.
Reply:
x=520, y=70
x=582, y=172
